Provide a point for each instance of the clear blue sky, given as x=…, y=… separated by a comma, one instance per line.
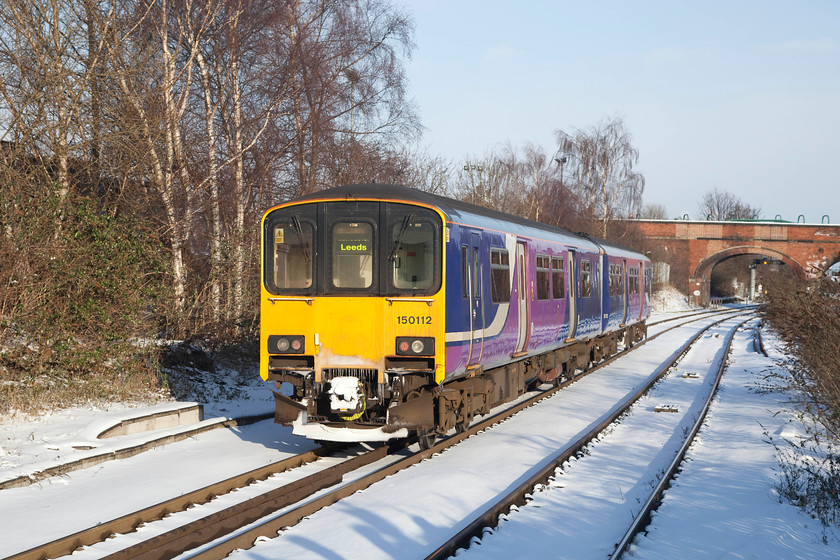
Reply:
x=739, y=95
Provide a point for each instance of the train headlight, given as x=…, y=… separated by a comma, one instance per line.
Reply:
x=415, y=346
x=286, y=344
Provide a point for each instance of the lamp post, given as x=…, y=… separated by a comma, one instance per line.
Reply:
x=561, y=161
x=472, y=167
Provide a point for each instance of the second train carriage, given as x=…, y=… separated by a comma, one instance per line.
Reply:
x=386, y=310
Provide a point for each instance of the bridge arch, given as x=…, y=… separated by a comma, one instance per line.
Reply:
x=704, y=269
x=700, y=282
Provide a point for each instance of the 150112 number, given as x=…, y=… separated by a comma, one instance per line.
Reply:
x=414, y=320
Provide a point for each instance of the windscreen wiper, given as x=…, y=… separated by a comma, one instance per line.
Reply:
x=299, y=232
x=398, y=239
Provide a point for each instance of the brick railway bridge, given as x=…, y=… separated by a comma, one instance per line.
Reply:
x=694, y=248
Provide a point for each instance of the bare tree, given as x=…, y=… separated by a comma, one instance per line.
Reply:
x=348, y=79
x=152, y=57
x=653, y=212
x=718, y=205
x=426, y=172
x=49, y=51
x=488, y=180
x=196, y=116
x=600, y=165
x=521, y=182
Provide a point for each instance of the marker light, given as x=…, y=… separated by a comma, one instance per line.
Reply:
x=286, y=344
x=415, y=346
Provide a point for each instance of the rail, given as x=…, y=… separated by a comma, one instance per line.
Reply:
x=225, y=525
x=642, y=519
x=489, y=517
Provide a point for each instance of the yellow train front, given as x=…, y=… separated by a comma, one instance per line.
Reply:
x=352, y=314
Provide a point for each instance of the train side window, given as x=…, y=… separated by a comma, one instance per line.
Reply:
x=475, y=273
x=465, y=268
x=557, y=278
x=499, y=276
x=621, y=287
x=585, y=279
x=543, y=277
x=633, y=273
x=352, y=245
x=616, y=280
x=293, y=254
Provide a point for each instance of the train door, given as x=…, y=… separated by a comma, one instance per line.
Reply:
x=624, y=291
x=640, y=281
x=601, y=278
x=475, y=301
x=522, y=296
x=572, y=293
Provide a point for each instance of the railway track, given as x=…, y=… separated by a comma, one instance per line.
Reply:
x=643, y=516
x=521, y=495
x=277, y=508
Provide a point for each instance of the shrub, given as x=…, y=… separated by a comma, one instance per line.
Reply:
x=77, y=287
x=806, y=315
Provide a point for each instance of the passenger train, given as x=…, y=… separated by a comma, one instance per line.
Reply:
x=387, y=311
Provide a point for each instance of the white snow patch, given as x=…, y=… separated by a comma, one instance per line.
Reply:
x=669, y=299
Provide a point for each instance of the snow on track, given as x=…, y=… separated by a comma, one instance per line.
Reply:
x=409, y=514
x=723, y=504
x=60, y=506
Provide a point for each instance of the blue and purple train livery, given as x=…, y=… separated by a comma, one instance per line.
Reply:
x=387, y=310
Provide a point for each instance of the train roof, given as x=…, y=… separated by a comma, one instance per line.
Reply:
x=456, y=210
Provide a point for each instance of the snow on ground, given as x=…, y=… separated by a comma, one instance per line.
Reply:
x=30, y=444
x=722, y=505
x=411, y=512
x=725, y=499
x=669, y=299
x=63, y=505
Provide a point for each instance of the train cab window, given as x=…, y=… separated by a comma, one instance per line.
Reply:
x=499, y=276
x=647, y=282
x=412, y=265
x=292, y=254
x=352, y=250
x=543, y=277
x=585, y=279
x=558, y=281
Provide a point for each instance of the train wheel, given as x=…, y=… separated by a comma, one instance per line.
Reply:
x=461, y=427
x=426, y=440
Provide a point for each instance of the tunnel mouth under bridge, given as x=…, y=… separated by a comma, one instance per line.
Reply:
x=738, y=273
